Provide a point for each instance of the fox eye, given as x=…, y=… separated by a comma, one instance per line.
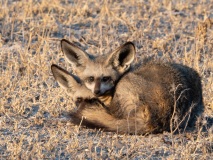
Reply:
x=90, y=79
x=79, y=100
x=106, y=79
x=93, y=100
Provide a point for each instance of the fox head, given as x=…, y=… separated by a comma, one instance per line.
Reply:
x=72, y=85
x=100, y=73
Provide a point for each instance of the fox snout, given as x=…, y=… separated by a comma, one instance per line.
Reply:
x=97, y=89
x=101, y=86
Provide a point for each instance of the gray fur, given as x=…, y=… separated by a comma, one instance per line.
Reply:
x=169, y=94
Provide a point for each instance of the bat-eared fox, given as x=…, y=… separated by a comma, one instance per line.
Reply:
x=113, y=95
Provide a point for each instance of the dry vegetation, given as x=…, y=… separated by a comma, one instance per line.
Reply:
x=33, y=121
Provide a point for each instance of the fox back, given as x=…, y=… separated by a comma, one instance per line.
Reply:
x=167, y=95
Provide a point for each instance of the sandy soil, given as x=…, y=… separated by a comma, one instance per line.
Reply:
x=33, y=109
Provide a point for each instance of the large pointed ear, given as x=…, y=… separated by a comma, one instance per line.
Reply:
x=74, y=54
x=69, y=82
x=122, y=57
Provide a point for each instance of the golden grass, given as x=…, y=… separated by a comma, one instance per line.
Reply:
x=33, y=108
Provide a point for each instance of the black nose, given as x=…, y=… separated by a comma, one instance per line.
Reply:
x=97, y=91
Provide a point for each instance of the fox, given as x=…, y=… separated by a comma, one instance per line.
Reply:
x=161, y=86
x=153, y=97
x=99, y=73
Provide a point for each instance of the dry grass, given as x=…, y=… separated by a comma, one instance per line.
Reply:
x=33, y=108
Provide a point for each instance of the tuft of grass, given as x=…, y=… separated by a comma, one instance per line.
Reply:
x=33, y=109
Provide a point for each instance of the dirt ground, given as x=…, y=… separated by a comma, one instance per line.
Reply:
x=33, y=108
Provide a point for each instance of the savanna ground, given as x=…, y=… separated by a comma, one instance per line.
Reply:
x=33, y=109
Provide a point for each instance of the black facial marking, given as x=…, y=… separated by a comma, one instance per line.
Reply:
x=106, y=79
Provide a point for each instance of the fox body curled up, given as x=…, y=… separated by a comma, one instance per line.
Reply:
x=150, y=99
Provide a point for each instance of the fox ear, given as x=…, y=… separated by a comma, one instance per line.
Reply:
x=122, y=57
x=65, y=80
x=74, y=54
